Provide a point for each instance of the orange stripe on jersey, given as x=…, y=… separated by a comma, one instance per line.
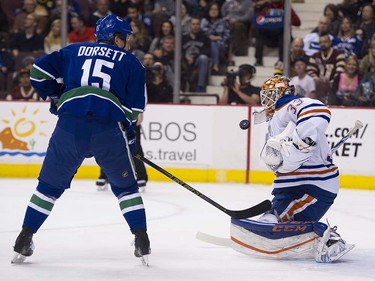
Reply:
x=315, y=111
x=308, y=173
x=270, y=252
x=289, y=212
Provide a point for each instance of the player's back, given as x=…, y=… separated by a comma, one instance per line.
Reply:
x=102, y=66
x=99, y=79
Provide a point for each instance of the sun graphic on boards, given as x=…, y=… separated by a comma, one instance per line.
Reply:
x=20, y=130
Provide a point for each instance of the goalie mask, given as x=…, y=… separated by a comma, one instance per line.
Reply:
x=273, y=89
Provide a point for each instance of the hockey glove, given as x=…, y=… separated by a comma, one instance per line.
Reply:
x=54, y=104
x=54, y=100
x=132, y=140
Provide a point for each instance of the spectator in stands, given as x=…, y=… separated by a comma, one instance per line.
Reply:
x=30, y=7
x=367, y=72
x=141, y=37
x=238, y=13
x=166, y=57
x=27, y=40
x=304, y=84
x=119, y=7
x=201, y=9
x=80, y=32
x=148, y=60
x=271, y=34
x=351, y=9
x=6, y=65
x=195, y=53
x=218, y=31
x=346, y=40
x=57, y=11
x=163, y=9
x=332, y=12
x=52, y=42
x=311, y=40
x=185, y=19
x=26, y=64
x=102, y=10
x=242, y=92
x=134, y=12
x=325, y=65
x=297, y=53
x=366, y=27
x=131, y=47
x=166, y=28
x=158, y=88
x=24, y=90
x=367, y=64
x=345, y=88
x=45, y=5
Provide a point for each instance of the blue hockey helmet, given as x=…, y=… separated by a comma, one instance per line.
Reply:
x=107, y=27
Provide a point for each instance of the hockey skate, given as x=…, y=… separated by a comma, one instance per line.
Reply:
x=102, y=184
x=330, y=247
x=24, y=246
x=142, y=246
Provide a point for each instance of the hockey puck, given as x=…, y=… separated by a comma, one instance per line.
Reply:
x=245, y=124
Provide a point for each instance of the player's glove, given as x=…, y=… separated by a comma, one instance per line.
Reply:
x=132, y=140
x=54, y=101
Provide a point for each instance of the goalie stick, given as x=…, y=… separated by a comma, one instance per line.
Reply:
x=256, y=210
x=358, y=124
x=215, y=240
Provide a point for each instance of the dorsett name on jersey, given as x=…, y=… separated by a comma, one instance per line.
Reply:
x=88, y=51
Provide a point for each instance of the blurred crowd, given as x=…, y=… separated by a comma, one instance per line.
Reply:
x=334, y=63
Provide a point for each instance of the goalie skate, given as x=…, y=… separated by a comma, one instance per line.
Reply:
x=331, y=247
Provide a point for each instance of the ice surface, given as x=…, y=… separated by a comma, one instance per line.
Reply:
x=86, y=238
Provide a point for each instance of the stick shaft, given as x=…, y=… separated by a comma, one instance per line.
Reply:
x=358, y=124
x=240, y=214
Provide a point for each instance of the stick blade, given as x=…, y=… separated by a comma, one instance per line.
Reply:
x=256, y=210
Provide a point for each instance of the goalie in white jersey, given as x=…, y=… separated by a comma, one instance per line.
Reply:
x=306, y=182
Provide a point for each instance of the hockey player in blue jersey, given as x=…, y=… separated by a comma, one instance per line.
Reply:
x=97, y=108
x=306, y=182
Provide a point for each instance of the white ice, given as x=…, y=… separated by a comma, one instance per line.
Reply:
x=86, y=238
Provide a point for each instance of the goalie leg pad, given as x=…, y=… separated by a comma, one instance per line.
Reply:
x=292, y=240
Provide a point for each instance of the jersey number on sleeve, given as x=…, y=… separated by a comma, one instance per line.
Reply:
x=96, y=71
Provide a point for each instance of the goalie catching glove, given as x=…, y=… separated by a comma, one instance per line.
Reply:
x=287, y=152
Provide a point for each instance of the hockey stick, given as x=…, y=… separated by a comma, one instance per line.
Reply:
x=240, y=214
x=358, y=124
x=215, y=240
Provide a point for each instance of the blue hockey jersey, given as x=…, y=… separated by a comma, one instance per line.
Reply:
x=99, y=79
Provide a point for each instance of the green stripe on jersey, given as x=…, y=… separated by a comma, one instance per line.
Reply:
x=100, y=93
x=41, y=203
x=37, y=74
